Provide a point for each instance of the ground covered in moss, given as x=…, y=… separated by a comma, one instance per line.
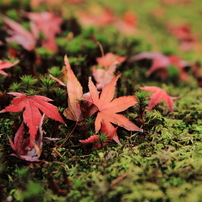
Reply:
x=162, y=163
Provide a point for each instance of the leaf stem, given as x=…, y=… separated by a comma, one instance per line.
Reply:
x=68, y=135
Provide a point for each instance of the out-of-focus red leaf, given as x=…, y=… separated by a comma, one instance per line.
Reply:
x=180, y=64
x=6, y=65
x=184, y=34
x=33, y=106
x=161, y=62
x=109, y=107
x=104, y=76
x=49, y=25
x=20, y=35
x=102, y=17
x=109, y=59
x=158, y=95
x=109, y=63
x=129, y=23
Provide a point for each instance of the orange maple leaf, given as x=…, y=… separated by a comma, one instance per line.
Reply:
x=107, y=108
x=158, y=95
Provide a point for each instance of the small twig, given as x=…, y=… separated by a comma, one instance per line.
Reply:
x=68, y=136
x=101, y=48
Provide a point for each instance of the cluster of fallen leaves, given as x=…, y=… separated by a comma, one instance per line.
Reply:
x=100, y=101
x=103, y=103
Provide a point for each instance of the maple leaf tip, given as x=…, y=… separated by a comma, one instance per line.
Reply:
x=66, y=60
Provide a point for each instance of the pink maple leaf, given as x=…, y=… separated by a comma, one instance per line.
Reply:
x=20, y=35
x=6, y=65
x=158, y=95
x=105, y=74
x=161, y=62
x=49, y=25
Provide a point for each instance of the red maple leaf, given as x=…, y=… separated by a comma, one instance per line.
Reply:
x=22, y=147
x=6, y=65
x=158, y=95
x=109, y=107
x=33, y=106
x=110, y=133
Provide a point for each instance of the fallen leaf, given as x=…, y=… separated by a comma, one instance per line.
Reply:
x=75, y=94
x=109, y=63
x=109, y=59
x=6, y=65
x=33, y=106
x=184, y=34
x=103, y=17
x=127, y=25
x=104, y=76
x=22, y=147
x=108, y=107
x=49, y=25
x=110, y=133
x=20, y=35
x=161, y=62
x=158, y=95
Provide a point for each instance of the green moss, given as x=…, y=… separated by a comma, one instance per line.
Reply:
x=162, y=163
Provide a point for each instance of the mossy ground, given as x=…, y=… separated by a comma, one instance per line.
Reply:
x=164, y=163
